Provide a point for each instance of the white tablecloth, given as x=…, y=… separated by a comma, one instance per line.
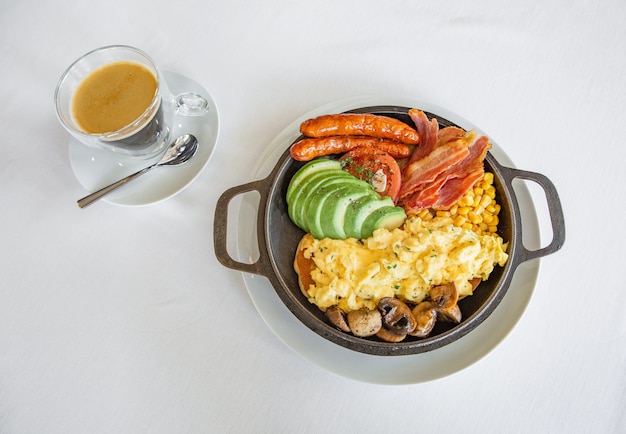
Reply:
x=121, y=320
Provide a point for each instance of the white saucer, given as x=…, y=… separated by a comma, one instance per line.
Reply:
x=409, y=369
x=96, y=168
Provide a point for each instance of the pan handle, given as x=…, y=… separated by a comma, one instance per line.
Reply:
x=554, y=207
x=220, y=229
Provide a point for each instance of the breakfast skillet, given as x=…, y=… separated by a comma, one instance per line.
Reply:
x=380, y=265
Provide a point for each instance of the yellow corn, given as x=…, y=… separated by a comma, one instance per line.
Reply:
x=476, y=210
x=488, y=178
x=486, y=201
x=458, y=221
x=474, y=218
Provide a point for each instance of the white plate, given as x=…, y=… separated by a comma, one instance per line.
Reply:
x=384, y=369
x=96, y=168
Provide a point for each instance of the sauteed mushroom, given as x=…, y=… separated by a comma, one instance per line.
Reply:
x=425, y=315
x=393, y=320
x=396, y=315
x=445, y=298
x=388, y=336
x=452, y=314
x=364, y=322
x=338, y=318
x=396, y=318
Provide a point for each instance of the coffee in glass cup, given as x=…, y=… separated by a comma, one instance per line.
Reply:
x=114, y=98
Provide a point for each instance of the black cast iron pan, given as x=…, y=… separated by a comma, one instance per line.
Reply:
x=278, y=238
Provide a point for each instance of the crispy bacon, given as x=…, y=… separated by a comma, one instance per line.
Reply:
x=428, y=130
x=422, y=172
x=466, y=173
x=443, y=167
x=453, y=190
x=449, y=134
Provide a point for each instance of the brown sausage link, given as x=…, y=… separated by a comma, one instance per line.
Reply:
x=309, y=148
x=365, y=124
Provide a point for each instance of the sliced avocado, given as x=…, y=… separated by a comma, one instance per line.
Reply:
x=326, y=209
x=308, y=169
x=359, y=211
x=388, y=217
x=297, y=208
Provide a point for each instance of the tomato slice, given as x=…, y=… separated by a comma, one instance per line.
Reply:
x=376, y=167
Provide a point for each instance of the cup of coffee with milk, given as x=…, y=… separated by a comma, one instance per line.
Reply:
x=114, y=98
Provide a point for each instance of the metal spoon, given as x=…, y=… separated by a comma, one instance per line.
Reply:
x=179, y=151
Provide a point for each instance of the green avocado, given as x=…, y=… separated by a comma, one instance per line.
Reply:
x=326, y=209
x=308, y=169
x=358, y=211
x=388, y=217
x=328, y=202
x=310, y=186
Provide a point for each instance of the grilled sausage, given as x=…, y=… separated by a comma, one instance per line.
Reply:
x=365, y=124
x=309, y=148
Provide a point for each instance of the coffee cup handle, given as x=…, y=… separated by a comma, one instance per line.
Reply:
x=190, y=104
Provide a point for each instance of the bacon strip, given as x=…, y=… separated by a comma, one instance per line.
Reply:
x=449, y=134
x=453, y=190
x=443, y=167
x=428, y=130
x=466, y=173
x=424, y=171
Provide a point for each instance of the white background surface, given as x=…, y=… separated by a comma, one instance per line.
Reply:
x=120, y=319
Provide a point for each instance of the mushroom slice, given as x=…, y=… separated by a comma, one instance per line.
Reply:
x=338, y=318
x=389, y=336
x=396, y=316
x=475, y=282
x=364, y=322
x=425, y=315
x=452, y=314
x=444, y=296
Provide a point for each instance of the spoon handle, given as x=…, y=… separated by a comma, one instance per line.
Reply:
x=106, y=190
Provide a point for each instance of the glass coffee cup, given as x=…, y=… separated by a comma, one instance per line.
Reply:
x=114, y=98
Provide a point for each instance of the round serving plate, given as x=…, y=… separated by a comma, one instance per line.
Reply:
x=433, y=362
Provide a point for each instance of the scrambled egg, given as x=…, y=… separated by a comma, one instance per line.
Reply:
x=405, y=262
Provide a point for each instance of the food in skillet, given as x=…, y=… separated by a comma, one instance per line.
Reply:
x=426, y=238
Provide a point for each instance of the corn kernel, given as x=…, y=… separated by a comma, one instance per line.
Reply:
x=487, y=217
x=478, y=191
x=467, y=226
x=491, y=191
x=493, y=229
x=496, y=211
x=473, y=217
x=495, y=220
x=454, y=209
x=486, y=201
x=488, y=177
x=463, y=210
x=459, y=220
